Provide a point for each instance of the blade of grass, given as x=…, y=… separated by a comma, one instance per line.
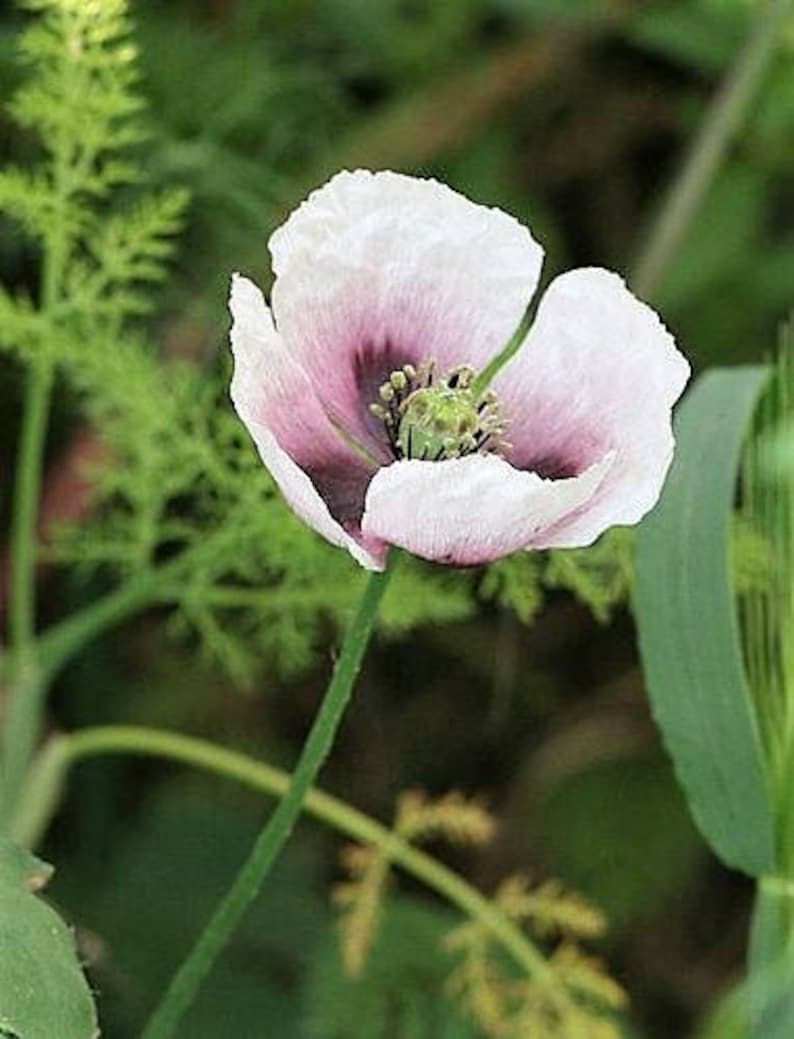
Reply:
x=768, y=502
x=688, y=629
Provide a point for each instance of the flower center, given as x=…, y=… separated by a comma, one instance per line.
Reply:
x=435, y=419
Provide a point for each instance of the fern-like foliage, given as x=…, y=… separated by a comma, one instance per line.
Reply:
x=571, y=997
x=361, y=898
x=575, y=998
x=599, y=576
x=453, y=818
x=180, y=498
x=550, y=909
x=400, y=989
x=182, y=504
x=515, y=583
x=101, y=245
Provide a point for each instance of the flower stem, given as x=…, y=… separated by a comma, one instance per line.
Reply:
x=708, y=148
x=186, y=982
x=484, y=379
x=65, y=751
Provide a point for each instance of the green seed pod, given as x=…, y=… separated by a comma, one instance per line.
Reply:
x=437, y=423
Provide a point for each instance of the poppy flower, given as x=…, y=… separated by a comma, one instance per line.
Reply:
x=362, y=383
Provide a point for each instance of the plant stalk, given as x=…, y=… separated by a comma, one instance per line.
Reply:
x=702, y=160
x=27, y=492
x=506, y=354
x=26, y=686
x=185, y=984
x=65, y=751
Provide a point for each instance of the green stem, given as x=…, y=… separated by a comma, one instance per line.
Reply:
x=186, y=982
x=28, y=683
x=706, y=152
x=771, y=959
x=27, y=492
x=508, y=351
x=20, y=733
x=20, y=730
x=65, y=751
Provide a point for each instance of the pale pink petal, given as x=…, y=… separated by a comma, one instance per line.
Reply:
x=598, y=373
x=302, y=497
x=470, y=510
x=375, y=270
x=315, y=470
x=268, y=386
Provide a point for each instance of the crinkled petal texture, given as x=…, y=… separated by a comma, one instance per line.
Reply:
x=295, y=440
x=598, y=374
x=471, y=510
x=374, y=271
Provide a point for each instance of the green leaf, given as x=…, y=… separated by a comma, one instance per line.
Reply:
x=688, y=629
x=43, y=992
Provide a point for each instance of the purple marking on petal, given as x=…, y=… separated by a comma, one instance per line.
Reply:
x=342, y=486
x=598, y=373
x=471, y=510
x=376, y=270
x=548, y=467
x=372, y=366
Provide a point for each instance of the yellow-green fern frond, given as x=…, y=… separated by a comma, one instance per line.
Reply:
x=587, y=976
x=574, y=999
x=453, y=817
x=550, y=909
x=361, y=898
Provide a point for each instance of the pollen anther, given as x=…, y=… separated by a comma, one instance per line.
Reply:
x=434, y=419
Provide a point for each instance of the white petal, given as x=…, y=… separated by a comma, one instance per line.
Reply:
x=302, y=497
x=378, y=269
x=470, y=510
x=599, y=372
x=292, y=434
x=267, y=383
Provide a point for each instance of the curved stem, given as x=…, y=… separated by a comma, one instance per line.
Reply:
x=708, y=148
x=66, y=751
x=507, y=352
x=186, y=982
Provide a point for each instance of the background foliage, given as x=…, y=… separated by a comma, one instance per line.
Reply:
x=570, y=115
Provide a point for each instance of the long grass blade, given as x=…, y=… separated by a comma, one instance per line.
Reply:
x=688, y=630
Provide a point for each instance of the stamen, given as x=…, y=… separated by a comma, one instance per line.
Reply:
x=434, y=419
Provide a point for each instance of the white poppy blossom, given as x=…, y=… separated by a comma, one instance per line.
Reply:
x=358, y=384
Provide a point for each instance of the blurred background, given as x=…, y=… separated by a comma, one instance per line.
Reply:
x=572, y=115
